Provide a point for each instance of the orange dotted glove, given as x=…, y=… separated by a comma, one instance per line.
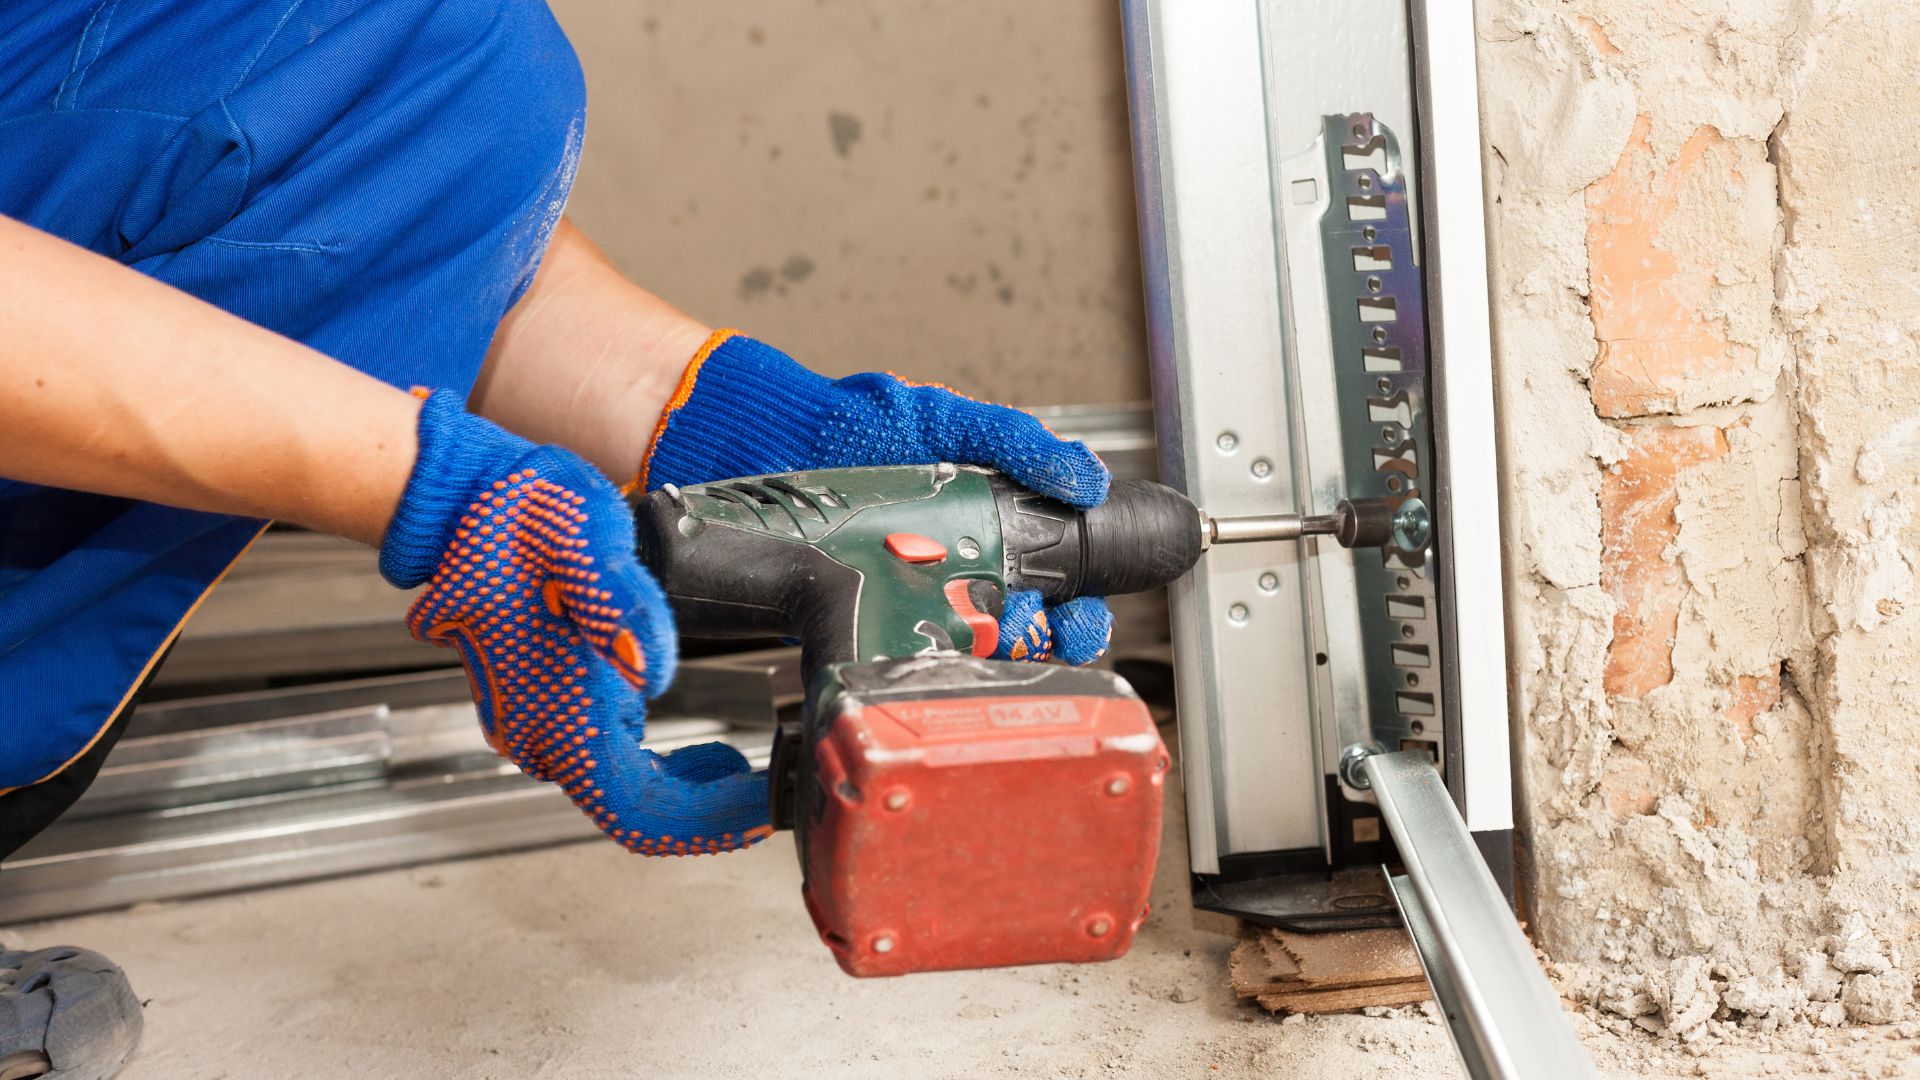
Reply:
x=527, y=555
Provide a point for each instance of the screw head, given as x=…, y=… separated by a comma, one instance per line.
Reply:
x=1237, y=613
x=1117, y=786
x=1227, y=442
x=968, y=547
x=896, y=799
x=883, y=944
x=1269, y=582
x=1412, y=525
x=1099, y=926
x=1262, y=468
x=1350, y=760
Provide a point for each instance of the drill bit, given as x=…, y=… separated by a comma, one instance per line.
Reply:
x=1375, y=522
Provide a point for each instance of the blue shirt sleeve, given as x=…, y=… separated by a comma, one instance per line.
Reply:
x=375, y=178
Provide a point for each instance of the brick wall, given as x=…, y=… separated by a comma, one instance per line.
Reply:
x=1708, y=317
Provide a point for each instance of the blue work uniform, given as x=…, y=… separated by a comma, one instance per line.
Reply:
x=375, y=178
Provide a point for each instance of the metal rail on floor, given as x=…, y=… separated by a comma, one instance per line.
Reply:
x=1505, y=1019
x=268, y=787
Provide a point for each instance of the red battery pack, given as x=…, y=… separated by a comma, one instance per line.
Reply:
x=975, y=813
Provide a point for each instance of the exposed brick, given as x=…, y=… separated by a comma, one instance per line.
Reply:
x=1752, y=696
x=1637, y=524
x=1627, y=786
x=1646, y=295
x=1598, y=36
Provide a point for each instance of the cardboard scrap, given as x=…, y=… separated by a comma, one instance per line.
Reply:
x=1331, y=972
x=1347, y=1000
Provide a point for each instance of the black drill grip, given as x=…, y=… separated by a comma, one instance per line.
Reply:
x=1142, y=537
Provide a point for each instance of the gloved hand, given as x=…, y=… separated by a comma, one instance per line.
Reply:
x=744, y=408
x=527, y=552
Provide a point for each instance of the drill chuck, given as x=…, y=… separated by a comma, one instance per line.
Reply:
x=1142, y=537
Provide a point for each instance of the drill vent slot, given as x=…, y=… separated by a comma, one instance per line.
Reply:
x=757, y=499
x=762, y=495
x=801, y=498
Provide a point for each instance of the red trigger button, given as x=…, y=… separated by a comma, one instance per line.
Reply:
x=986, y=628
x=914, y=548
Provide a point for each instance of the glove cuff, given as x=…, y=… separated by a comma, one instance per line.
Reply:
x=742, y=408
x=459, y=453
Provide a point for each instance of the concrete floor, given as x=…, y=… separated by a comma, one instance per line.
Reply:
x=584, y=962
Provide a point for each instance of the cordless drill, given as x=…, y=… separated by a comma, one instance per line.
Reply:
x=950, y=810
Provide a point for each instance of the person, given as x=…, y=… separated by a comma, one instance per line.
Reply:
x=306, y=261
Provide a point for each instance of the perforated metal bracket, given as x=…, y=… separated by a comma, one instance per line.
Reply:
x=1376, y=314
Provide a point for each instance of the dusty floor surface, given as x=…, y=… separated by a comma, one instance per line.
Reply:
x=584, y=962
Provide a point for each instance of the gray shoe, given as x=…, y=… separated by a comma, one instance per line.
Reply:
x=65, y=1014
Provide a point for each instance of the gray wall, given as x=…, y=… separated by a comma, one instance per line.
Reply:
x=933, y=188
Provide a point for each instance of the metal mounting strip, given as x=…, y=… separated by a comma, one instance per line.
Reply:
x=1505, y=1019
x=1377, y=314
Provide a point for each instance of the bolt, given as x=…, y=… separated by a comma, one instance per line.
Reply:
x=1262, y=468
x=1350, y=761
x=1269, y=582
x=896, y=800
x=1227, y=442
x=1099, y=926
x=1237, y=613
x=1412, y=525
x=883, y=944
x=1390, y=435
x=1117, y=786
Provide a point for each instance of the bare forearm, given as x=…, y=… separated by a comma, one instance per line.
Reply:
x=586, y=359
x=115, y=383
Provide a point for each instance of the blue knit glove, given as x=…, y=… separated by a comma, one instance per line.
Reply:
x=527, y=553
x=1077, y=631
x=745, y=408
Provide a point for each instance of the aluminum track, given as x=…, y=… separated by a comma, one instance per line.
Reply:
x=238, y=791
